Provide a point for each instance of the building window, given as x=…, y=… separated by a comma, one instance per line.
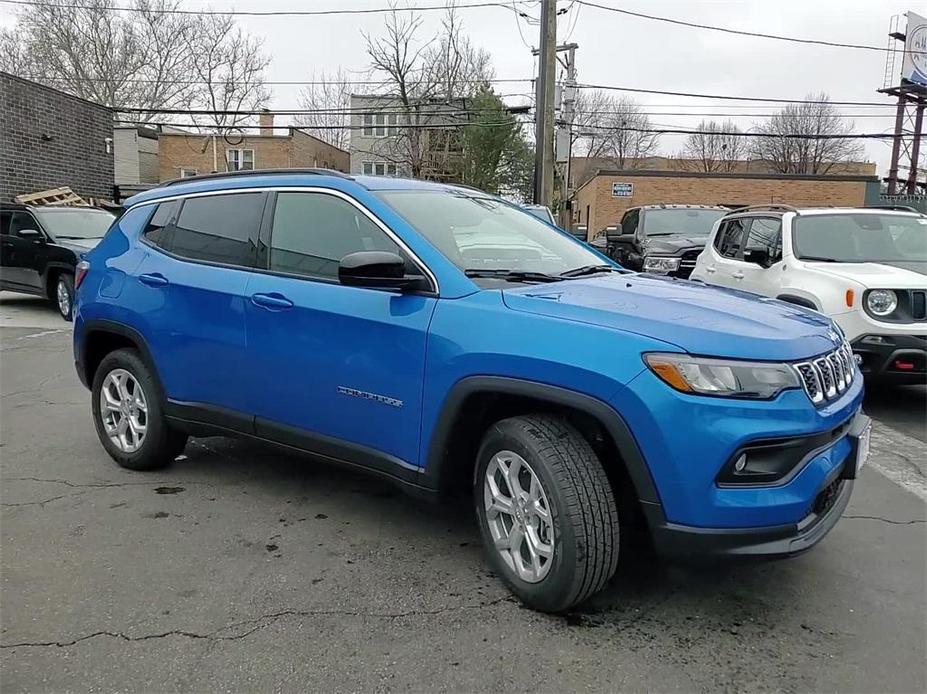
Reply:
x=380, y=124
x=239, y=159
x=379, y=168
x=186, y=173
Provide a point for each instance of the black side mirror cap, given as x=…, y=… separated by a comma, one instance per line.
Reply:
x=31, y=235
x=378, y=270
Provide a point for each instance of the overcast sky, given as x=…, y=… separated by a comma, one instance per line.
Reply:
x=626, y=51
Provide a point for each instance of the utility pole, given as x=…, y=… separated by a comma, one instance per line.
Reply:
x=544, y=106
x=568, y=97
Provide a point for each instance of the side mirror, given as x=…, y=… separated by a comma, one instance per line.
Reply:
x=613, y=234
x=379, y=270
x=757, y=256
x=31, y=235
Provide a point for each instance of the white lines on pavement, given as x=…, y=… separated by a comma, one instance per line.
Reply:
x=900, y=458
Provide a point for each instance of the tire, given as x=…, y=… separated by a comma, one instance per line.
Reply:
x=583, y=534
x=160, y=444
x=63, y=295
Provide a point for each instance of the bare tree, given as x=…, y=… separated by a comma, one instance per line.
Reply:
x=147, y=59
x=806, y=138
x=714, y=147
x=613, y=129
x=458, y=68
x=329, y=97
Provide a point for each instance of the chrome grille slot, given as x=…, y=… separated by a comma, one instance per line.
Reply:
x=828, y=376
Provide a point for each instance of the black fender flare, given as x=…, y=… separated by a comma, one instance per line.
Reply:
x=56, y=265
x=797, y=300
x=436, y=474
x=99, y=325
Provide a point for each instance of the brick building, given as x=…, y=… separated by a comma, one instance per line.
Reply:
x=603, y=198
x=50, y=139
x=188, y=154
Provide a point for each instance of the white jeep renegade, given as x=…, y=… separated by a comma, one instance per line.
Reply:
x=865, y=268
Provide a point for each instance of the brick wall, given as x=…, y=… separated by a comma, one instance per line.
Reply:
x=296, y=150
x=712, y=189
x=50, y=139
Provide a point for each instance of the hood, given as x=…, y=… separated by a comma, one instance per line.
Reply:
x=78, y=245
x=674, y=243
x=697, y=318
x=900, y=275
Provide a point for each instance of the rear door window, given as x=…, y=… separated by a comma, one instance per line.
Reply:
x=219, y=229
x=729, y=241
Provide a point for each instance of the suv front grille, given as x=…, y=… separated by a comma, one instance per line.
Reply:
x=828, y=376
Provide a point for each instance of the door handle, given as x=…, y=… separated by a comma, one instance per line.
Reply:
x=737, y=275
x=272, y=302
x=710, y=269
x=155, y=279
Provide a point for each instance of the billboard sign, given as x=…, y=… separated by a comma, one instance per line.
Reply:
x=622, y=190
x=914, y=65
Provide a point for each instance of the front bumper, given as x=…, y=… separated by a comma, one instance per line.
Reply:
x=673, y=540
x=897, y=358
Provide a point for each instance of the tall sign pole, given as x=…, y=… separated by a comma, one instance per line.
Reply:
x=544, y=106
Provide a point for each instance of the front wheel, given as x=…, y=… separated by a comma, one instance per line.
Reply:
x=546, y=511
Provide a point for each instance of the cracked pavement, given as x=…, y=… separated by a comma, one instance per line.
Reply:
x=245, y=568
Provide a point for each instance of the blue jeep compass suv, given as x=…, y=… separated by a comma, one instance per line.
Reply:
x=444, y=338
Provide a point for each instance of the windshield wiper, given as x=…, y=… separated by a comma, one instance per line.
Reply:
x=819, y=258
x=588, y=270
x=512, y=275
x=78, y=238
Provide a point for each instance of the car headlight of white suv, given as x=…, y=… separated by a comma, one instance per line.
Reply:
x=881, y=302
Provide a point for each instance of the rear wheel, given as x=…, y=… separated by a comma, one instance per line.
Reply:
x=546, y=511
x=64, y=295
x=128, y=416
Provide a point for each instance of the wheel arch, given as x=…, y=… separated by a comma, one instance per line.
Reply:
x=798, y=301
x=52, y=271
x=474, y=403
x=100, y=337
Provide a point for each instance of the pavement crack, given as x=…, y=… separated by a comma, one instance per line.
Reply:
x=76, y=485
x=250, y=626
x=887, y=520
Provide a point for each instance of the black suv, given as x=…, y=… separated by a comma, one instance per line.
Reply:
x=41, y=246
x=665, y=239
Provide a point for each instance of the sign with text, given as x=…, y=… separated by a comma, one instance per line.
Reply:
x=622, y=190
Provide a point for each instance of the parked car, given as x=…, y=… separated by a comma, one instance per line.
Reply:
x=40, y=247
x=664, y=239
x=865, y=268
x=581, y=404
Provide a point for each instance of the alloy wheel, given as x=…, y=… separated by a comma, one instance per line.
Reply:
x=519, y=516
x=64, y=298
x=124, y=410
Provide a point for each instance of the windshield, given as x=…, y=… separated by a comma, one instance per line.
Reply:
x=477, y=232
x=75, y=224
x=860, y=238
x=690, y=222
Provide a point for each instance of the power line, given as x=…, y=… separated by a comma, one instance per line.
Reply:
x=263, y=13
x=737, y=133
x=738, y=32
x=50, y=78
x=692, y=95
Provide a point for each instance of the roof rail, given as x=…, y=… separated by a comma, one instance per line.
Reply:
x=897, y=208
x=770, y=207
x=257, y=172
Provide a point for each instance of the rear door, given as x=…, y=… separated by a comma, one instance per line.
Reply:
x=334, y=365
x=191, y=287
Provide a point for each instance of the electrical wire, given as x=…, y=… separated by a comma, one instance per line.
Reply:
x=692, y=95
x=738, y=32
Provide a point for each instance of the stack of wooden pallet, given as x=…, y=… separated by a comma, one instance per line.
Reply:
x=61, y=197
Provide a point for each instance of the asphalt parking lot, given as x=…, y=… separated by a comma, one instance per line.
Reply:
x=242, y=568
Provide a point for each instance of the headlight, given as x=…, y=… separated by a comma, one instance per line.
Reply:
x=722, y=377
x=881, y=302
x=655, y=263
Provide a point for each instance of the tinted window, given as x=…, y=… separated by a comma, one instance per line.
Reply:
x=5, y=222
x=689, y=221
x=156, y=231
x=218, y=228
x=629, y=221
x=312, y=232
x=22, y=221
x=765, y=234
x=730, y=238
